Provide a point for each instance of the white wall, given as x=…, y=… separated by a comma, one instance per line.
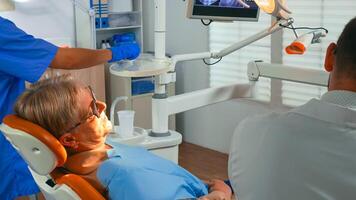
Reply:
x=211, y=126
x=49, y=19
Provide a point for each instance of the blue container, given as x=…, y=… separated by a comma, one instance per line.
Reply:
x=101, y=13
x=142, y=85
x=97, y=22
x=118, y=39
x=104, y=22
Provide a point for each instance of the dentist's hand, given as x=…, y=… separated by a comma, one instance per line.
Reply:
x=125, y=51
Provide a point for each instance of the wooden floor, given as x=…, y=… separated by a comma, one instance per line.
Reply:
x=202, y=162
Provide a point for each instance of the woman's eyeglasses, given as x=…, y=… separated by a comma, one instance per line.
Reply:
x=94, y=110
x=94, y=107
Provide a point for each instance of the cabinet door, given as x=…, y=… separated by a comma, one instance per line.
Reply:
x=84, y=27
x=143, y=109
x=93, y=76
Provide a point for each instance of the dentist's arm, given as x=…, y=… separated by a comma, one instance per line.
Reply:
x=78, y=58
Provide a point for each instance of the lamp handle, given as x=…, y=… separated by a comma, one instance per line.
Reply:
x=284, y=7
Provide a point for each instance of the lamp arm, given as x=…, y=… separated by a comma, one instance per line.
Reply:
x=204, y=55
x=285, y=8
x=234, y=47
x=191, y=56
x=257, y=69
x=162, y=108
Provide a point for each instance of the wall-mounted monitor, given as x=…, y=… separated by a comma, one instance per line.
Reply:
x=223, y=10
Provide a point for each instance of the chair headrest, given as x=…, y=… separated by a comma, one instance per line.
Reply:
x=41, y=150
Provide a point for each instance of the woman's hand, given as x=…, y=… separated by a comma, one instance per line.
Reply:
x=218, y=190
x=215, y=195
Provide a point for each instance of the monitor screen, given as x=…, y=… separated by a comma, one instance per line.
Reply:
x=224, y=10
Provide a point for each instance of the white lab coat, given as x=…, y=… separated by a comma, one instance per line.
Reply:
x=308, y=153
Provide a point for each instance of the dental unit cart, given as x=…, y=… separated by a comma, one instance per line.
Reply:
x=90, y=36
x=166, y=147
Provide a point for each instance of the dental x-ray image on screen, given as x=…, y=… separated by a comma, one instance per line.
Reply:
x=224, y=3
x=224, y=10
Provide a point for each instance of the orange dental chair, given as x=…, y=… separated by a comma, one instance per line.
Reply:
x=43, y=153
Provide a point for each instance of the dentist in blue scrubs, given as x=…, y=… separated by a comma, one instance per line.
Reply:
x=25, y=58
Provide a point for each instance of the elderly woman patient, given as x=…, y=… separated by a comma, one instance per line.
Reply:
x=68, y=109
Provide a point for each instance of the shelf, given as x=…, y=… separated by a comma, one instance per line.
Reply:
x=129, y=12
x=142, y=95
x=118, y=28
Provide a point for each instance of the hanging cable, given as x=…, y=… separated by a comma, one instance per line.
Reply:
x=206, y=23
x=305, y=28
x=294, y=31
x=207, y=63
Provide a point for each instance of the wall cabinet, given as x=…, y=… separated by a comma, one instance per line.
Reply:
x=93, y=76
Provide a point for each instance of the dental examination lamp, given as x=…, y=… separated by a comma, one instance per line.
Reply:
x=300, y=45
x=276, y=8
x=164, y=68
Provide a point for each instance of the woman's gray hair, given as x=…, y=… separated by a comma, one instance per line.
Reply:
x=51, y=103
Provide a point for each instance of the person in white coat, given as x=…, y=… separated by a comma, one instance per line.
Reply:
x=309, y=152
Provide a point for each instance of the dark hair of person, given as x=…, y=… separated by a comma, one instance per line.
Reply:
x=346, y=50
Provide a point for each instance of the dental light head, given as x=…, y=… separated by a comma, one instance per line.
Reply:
x=276, y=8
x=300, y=45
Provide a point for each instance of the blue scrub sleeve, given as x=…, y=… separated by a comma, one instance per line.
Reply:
x=22, y=55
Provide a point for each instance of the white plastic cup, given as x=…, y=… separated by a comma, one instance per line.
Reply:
x=126, y=123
